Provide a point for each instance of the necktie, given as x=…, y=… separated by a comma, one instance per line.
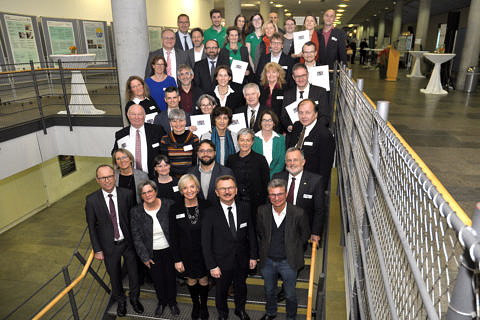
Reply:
x=252, y=119
x=187, y=47
x=300, y=139
x=301, y=94
x=291, y=191
x=113, y=215
x=231, y=222
x=138, y=151
x=169, y=64
x=212, y=69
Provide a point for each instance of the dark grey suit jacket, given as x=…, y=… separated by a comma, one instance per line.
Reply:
x=180, y=57
x=297, y=233
x=191, y=57
x=138, y=176
x=217, y=171
x=178, y=41
x=310, y=197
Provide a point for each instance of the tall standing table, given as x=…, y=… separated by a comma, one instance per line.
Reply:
x=416, y=72
x=434, y=85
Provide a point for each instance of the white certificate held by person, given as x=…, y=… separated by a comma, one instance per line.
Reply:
x=238, y=122
x=299, y=39
x=319, y=76
x=238, y=70
x=292, y=110
x=202, y=123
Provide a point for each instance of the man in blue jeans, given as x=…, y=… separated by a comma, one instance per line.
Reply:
x=283, y=229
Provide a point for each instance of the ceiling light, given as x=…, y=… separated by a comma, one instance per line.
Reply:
x=343, y=5
x=386, y=8
x=288, y=14
x=350, y=25
x=248, y=5
x=374, y=14
x=278, y=5
x=339, y=14
x=341, y=10
x=271, y=2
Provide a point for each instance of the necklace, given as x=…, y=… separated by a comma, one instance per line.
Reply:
x=193, y=217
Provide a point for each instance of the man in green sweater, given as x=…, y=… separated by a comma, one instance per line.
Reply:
x=216, y=31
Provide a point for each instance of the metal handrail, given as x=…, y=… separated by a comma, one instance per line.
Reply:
x=311, y=279
x=65, y=291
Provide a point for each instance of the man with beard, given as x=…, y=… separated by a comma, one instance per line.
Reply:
x=204, y=69
x=208, y=170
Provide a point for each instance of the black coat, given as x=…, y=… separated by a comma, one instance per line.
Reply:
x=336, y=49
x=202, y=77
x=297, y=233
x=310, y=197
x=218, y=170
x=234, y=99
x=277, y=101
x=318, y=147
x=220, y=248
x=153, y=135
x=142, y=228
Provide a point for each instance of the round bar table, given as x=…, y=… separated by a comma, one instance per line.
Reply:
x=434, y=85
x=416, y=72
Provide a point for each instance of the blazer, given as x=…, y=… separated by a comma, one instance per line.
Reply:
x=202, y=77
x=153, y=135
x=243, y=109
x=310, y=197
x=100, y=226
x=191, y=57
x=161, y=120
x=277, y=100
x=318, y=147
x=180, y=236
x=278, y=153
x=336, y=49
x=286, y=62
x=180, y=58
x=178, y=41
x=297, y=233
x=142, y=228
x=318, y=94
x=220, y=248
x=138, y=176
x=217, y=171
x=234, y=100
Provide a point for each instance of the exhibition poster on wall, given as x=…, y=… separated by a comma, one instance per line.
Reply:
x=95, y=39
x=61, y=36
x=22, y=40
x=155, y=38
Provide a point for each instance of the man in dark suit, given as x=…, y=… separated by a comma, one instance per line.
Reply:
x=205, y=69
x=174, y=57
x=229, y=246
x=283, y=231
x=183, y=39
x=253, y=109
x=315, y=140
x=172, y=98
x=108, y=218
x=208, y=170
x=303, y=90
x=305, y=189
x=276, y=55
x=196, y=53
x=332, y=44
x=141, y=139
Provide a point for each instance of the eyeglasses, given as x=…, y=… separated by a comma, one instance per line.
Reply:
x=147, y=192
x=158, y=165
x=104, y=179
x=121, y=158
x=206, y=105
x=206, y=151
x=211, y=48
x=267, y=120
x=159, y=64
x=300, y=76
x=276, y=195
x=308, y=52
x=276, y=42
x=224, y=189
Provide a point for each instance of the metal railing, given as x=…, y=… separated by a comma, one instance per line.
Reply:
x=399, y=222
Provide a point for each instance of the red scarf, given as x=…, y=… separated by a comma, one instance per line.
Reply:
x=267, y=44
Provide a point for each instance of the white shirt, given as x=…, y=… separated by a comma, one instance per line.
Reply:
x=210, y=63
x=198, y=55
x=159, y=240
x=143, y=146
x=107, y=201
x=298, y=178
x=305, y=92
x=275, y=59
x=249, y=113
x=234, y=211
x=182, y=39
x=309, y=128
x=173, y=62
x=267, y=146
x=224, y=100
x=279, y=217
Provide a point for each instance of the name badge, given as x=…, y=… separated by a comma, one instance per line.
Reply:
x=285, y=67
x=188, y=147
x=316, y=101
x=155, y=145
x=308, y=143
x=243, y=225
x=175, y=188
x=279, y=97
x=180, y=216
x=152, y=107
x=334, y=39
x=307, y=196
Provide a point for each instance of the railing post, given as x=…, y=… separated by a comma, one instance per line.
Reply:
x=71, y=296
x=64, y=90
x=360, y=84
x=39, y=99
x=464, y=303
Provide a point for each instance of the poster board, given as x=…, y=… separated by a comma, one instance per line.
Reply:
x=22, y=40
x=155, y=37
x=60, y=34
x=95, y=39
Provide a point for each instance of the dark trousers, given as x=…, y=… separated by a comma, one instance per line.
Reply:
x=270, y=273
x=238, y=275
x=163, y=277
x=363, y=56
x=114, y=268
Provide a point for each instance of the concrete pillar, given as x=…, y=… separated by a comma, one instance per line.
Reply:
x=397, y=21
x=281, y=17
x=232, y=9
x=372, y=28
x=360, y=35
x=264, y=9
x=381, y=31
x=422, y=24
x=367, y=34
x=130, y=27
x=471, y=48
